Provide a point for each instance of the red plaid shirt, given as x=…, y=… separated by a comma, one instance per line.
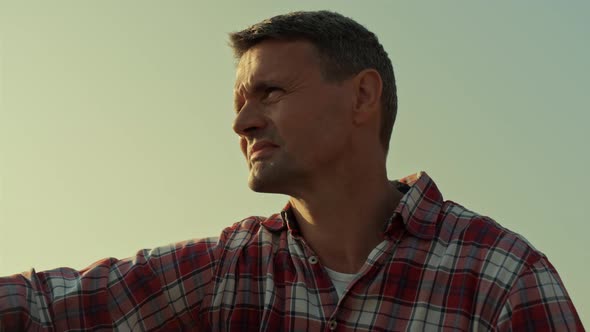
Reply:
x=439, y=267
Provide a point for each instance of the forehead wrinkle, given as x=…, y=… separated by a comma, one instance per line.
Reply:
x=244, y=73
x=255, y=82
x=255, y=70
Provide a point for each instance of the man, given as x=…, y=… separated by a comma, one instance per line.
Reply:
x=315, y=98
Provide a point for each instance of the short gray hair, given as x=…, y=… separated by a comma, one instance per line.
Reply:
x=345, y=48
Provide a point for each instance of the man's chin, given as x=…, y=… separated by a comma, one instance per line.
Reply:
x=259, y=186
x=264, y=184
x=268, y=177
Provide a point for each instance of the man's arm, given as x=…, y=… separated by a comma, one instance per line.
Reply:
x=145, y=292
x=538, y=301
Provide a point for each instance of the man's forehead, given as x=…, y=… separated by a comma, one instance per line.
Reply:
x=273, y=60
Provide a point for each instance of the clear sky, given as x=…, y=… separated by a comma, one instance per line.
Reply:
x=115, y=121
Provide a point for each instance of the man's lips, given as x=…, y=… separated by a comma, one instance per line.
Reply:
x=261, y=149
x=264, y=152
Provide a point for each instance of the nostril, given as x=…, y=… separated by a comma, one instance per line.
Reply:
x=250, y=130
x=244, y=129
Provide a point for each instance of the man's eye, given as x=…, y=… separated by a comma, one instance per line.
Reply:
x=271, y=92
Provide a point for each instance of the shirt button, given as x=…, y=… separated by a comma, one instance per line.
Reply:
x=332, y=325
x=312, y=260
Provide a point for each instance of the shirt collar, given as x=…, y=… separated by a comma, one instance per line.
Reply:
x=286, y=219
x=419, y=209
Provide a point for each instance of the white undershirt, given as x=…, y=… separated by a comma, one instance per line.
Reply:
x=340, y=280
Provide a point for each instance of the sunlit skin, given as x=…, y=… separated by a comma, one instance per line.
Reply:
x=328, y=157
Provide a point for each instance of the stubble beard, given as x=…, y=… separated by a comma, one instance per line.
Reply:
x=273, y=175
x=264, y=176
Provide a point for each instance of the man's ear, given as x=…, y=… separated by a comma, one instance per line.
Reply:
x=368, y=87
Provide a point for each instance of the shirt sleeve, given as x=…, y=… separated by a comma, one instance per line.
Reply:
x=538, y=301
x=157, y=289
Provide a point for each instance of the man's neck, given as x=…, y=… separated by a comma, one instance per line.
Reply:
x=343, y=221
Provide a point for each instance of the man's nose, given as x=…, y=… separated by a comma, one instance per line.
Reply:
x=249, y=120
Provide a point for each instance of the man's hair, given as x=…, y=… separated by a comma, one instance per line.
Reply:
x=345, y=48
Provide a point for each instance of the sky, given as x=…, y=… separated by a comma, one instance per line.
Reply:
x=115, y=121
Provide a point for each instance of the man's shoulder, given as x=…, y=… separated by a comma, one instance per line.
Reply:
x=458, y=224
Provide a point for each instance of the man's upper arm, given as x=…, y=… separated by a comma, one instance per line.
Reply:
x=144, y=292
x=538, y=301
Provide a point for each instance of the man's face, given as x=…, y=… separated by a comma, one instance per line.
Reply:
x=283, y=99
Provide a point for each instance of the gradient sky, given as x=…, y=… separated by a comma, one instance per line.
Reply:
x=115, y=122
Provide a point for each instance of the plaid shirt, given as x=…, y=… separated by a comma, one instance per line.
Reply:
x=439, y=267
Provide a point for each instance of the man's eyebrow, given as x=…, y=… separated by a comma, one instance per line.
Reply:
x=257, y=87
